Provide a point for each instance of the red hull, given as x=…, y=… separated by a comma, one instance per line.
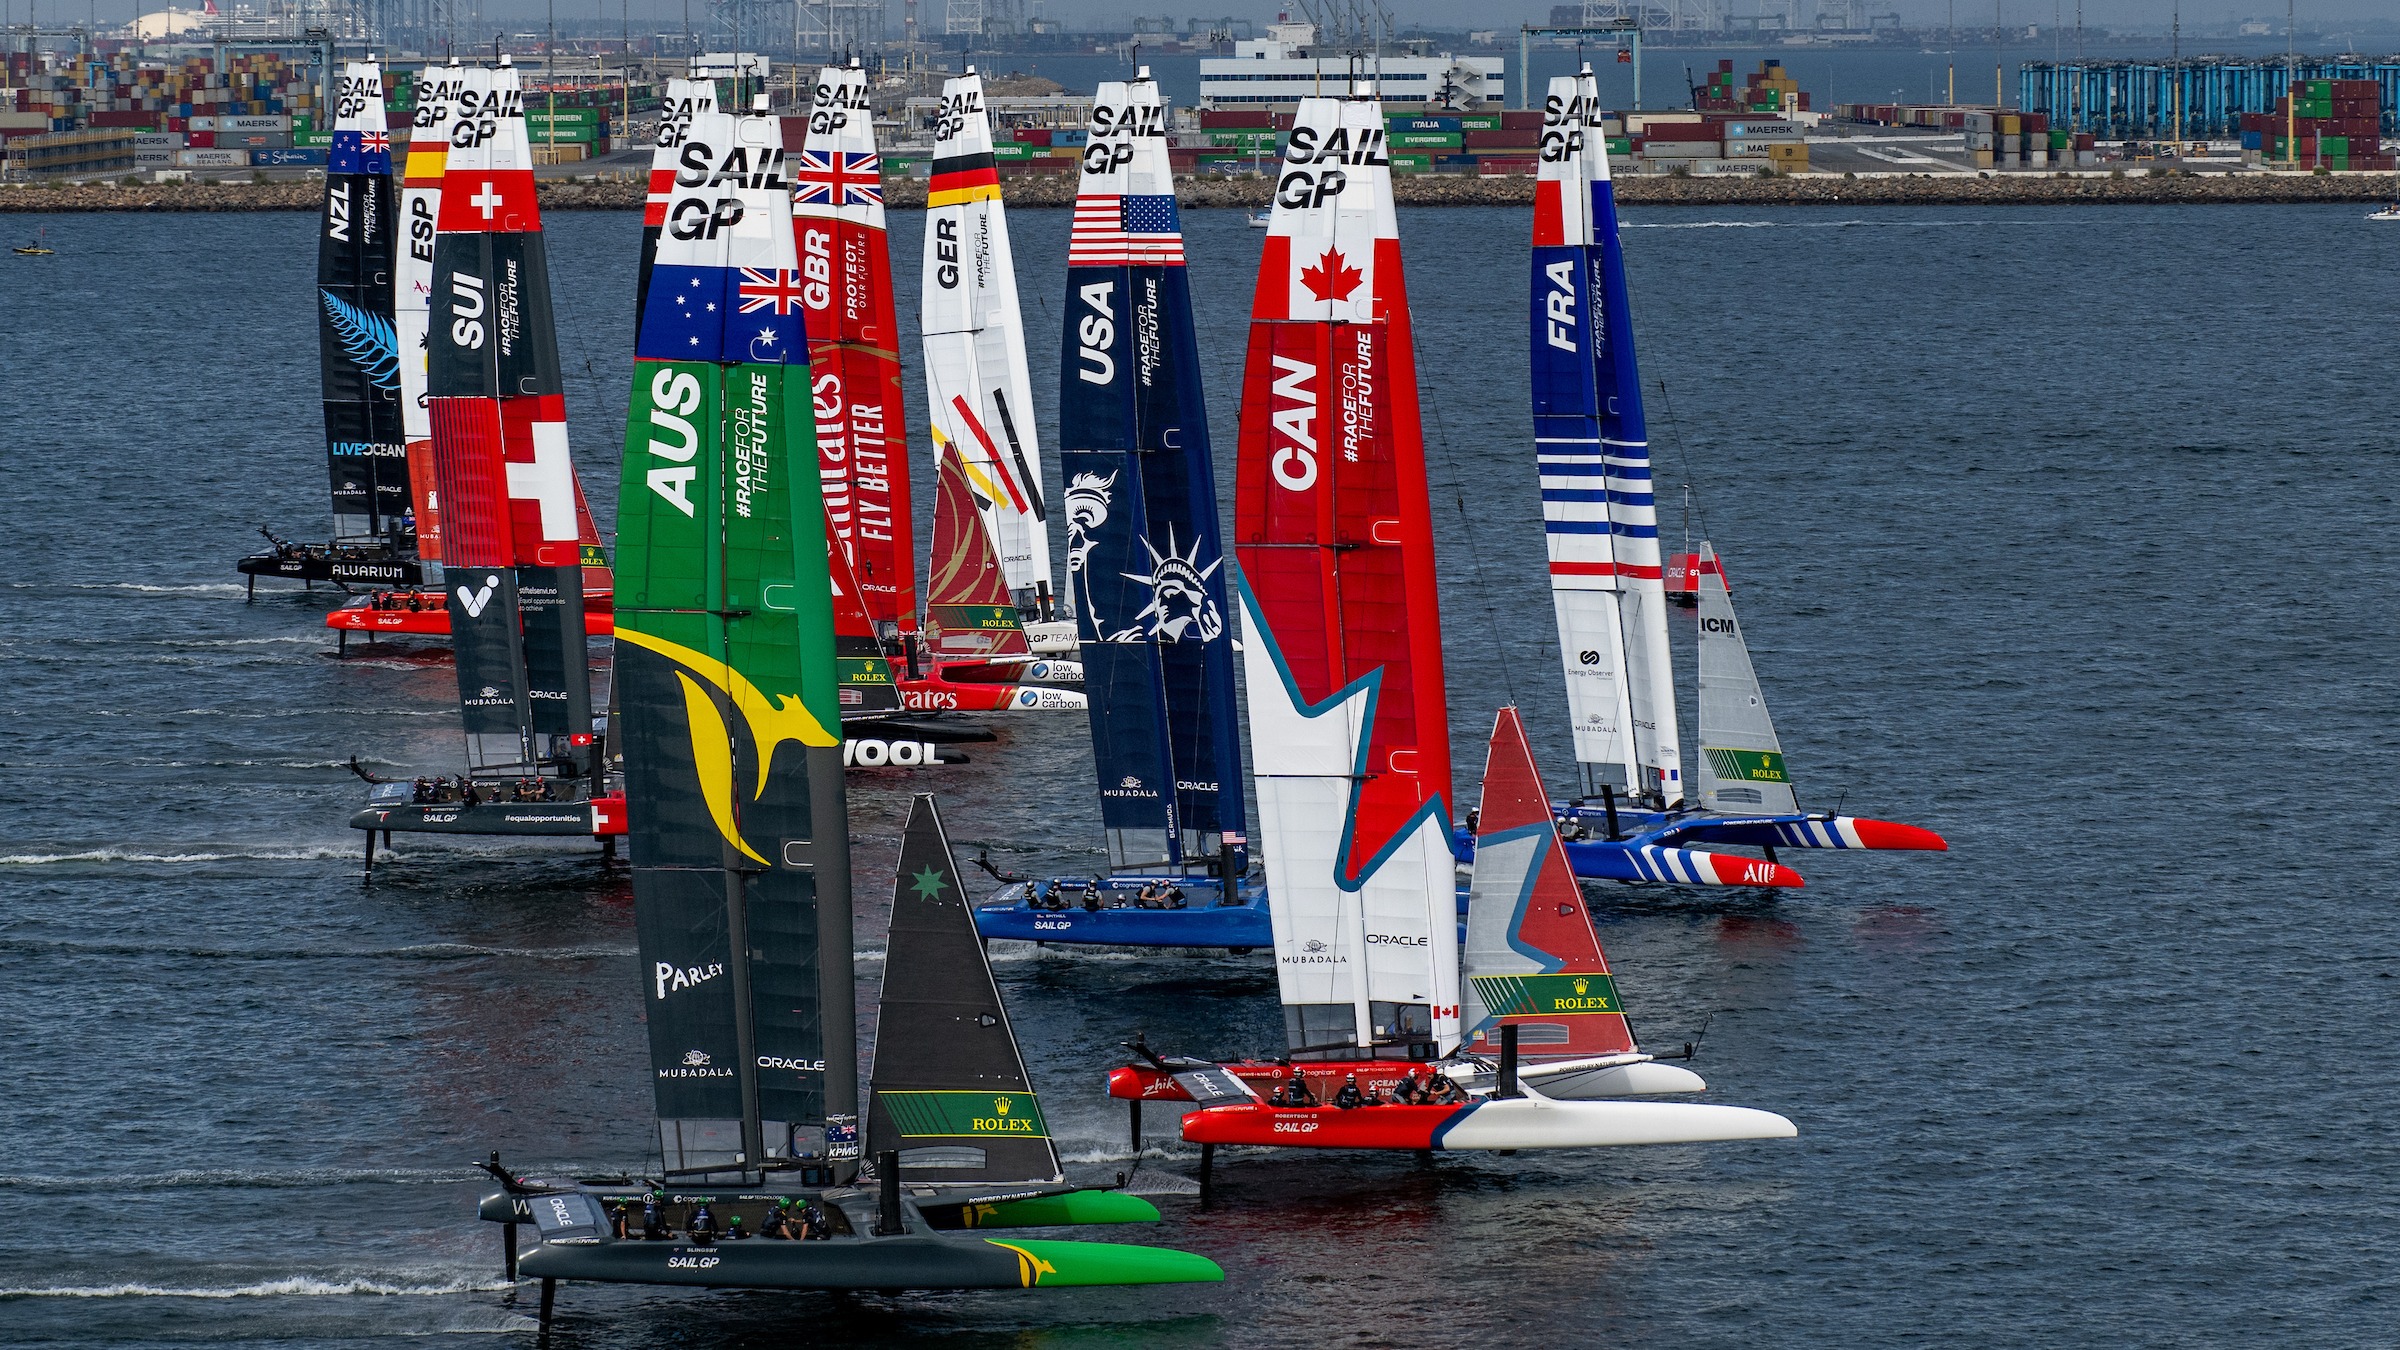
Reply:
x=937, y=694
x=1385, y=1127
x=434, y=621
x=1139, y=1083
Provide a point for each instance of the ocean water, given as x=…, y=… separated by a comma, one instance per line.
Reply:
x=2064, y=532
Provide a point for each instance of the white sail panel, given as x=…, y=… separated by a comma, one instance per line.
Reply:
x=1741, y=760
x=976, y=382
x=420, y=207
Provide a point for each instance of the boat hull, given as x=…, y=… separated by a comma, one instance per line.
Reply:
x=1511, y=1123
x=371, y=570
x=553, y=820
x=1571, y=1080
x=1055, y=637
x=940, y=695
x=434, y=620
x=1204, y=922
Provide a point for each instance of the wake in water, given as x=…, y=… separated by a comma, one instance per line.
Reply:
x=108, y=855
x=287, y=1287
x=423, y=951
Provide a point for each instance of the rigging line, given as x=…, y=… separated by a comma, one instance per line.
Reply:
x=1683, y=462
x=1458, y=494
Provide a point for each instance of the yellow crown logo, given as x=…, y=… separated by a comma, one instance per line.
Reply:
x=1582, y=984
x=1000, y=1104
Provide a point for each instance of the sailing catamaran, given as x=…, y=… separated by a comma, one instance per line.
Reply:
x=374, y=538
x=741, y=857
x=513, y=554
x=975, y=379
x=1601, y=521
x=424, y=611
x=1145, y=566
x=1547, y=1057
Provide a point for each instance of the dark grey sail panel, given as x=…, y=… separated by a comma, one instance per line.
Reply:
x=949, y=1093
x=359, y=355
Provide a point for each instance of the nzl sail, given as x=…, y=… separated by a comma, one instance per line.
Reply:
x=420, y=210
x=725, y=667
x=1594, y=451
x=1144, y=558
x=854, y=348
x=685, y=100
x=975, y=380
x=512, y=509
x=1344, y=654
x=359, y=349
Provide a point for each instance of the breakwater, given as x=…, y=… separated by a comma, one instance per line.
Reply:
x=2134, y=189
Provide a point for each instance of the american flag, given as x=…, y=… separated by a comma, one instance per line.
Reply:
x=1127, y=231
x=838, y=178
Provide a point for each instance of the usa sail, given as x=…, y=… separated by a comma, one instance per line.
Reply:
x=975, y=380
x=1741, y=759
x=365, y=444
x=1598, y=511
x=511, y=506
x=1145, y=560
x=730, y=723
x=420, y=210
x=854, y=348
x=1343, y=654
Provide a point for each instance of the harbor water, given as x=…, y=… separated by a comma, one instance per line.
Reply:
x=2067, y=533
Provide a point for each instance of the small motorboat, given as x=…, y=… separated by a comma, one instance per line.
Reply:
x=2391, y=212
x=39, y=248
x=1258, y=220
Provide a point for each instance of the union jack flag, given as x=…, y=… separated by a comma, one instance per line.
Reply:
x=838, y=178
x=375, y=142
x=777, y=292
x=1135, y=230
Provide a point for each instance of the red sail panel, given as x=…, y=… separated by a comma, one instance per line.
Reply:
x=969, y=613
x=472, y=477
x=862, y=450
x=1335, y=531
x=599, y=583
x=539, y=480
x=424, y=488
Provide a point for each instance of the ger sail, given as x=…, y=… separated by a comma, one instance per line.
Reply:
x=1145, y=569
x=366, y=453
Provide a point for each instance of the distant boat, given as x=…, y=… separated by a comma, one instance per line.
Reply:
x=2391, y=212
x=1259, y=220
x=39, y=248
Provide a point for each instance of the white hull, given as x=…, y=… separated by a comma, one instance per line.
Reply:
x=1536, y=1122
x=1053, y=638
x=1601, y=1080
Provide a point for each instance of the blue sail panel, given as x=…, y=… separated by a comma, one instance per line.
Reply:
x=1620, y=379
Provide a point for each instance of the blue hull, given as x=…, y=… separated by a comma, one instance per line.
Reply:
x=1205, y=923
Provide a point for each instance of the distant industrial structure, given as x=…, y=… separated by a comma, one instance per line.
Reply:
x=1290, y=63
x=1826, y=19
x=2204, y=97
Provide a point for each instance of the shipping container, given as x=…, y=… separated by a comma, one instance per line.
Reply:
x=212, y=159
x=285, y=159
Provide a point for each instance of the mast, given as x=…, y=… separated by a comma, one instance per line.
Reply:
x=513, y=512
x=1145, y=561
x=1349, y=733
x=975, y=380
x=366, y=449
x=725, y=658
x=1741, y=759
x=420, y=209
x=854, y=348
x=1585, y=587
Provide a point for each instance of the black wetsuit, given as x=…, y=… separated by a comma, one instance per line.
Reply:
x=1349, y=1098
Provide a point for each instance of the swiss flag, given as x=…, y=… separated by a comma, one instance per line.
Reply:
x=488, y=201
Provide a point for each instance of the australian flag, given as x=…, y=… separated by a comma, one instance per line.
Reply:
x=723, y=314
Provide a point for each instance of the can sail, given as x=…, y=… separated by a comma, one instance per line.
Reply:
x=1598, y=510
x=854, y=348
x=1349, y=733
x=1741, y=760
x=1533, y=960
x=358, y=346
x=726, y=677
x=513, y=517
x=420, y=210
x=1145, y=560
x=975, y=380
x=950, y=1094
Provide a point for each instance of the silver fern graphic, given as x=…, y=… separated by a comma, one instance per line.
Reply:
x=367, y=338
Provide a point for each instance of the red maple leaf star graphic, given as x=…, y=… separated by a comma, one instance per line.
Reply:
x=1332, y=278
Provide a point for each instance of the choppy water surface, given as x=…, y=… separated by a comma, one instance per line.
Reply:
x=2067, y=533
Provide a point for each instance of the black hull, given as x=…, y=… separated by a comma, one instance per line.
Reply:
x=556, y=820
x=314, y=563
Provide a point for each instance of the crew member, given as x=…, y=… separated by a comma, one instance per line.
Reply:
x=812, y=1225
x=734, y=1232
x=1173, y=899
x=1406, y=1092
x=654, y=1218
x=1442, y=1090
x=620, y=1219
x=1294, y=1092
x=703, y=1230
x=777, y=1222
x=1091, y=896
x=1348, y=1098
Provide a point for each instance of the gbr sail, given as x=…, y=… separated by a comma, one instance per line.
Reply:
x=366, y=449
x=1741, y=759
x=1348, y=729
x=981, y=398
x=1145, y=561
x=854, y=348
x=1599, y=516
x=420, y=211
x=726, y=677
x=513, y=512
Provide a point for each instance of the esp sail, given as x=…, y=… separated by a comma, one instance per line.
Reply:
x=513, y=512
x=420, y=211
x=975, y=380
x=366, y=446
x=950, y=1093
x=1145, y=561
x=730, y=723
x=1741, y=760
x=1599, y=515
x=854, y=348
x=1533, y=960
x=1349, y=733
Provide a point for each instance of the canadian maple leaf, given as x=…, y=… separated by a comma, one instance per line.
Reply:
x=1333, y=278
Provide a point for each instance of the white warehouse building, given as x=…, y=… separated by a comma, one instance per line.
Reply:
x=1280, y=69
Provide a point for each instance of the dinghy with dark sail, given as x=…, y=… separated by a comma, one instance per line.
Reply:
x=1146, y=568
